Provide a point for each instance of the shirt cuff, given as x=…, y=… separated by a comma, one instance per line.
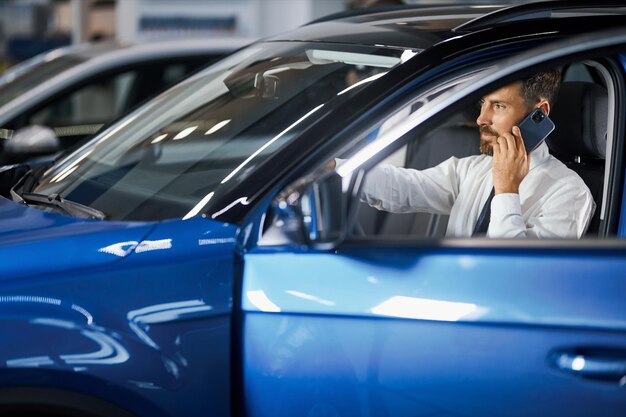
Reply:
x=504, y=205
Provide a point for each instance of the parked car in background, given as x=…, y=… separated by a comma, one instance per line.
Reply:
x=71, y=93
x=198, y=257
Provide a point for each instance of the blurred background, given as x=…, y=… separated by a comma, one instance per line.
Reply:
x=29, y=27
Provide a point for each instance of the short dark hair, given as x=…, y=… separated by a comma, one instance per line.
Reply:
x=541, y=85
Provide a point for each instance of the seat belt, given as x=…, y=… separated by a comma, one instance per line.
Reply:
x=482, y=224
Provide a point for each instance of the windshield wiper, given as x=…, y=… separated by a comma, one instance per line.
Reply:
x=54, y=200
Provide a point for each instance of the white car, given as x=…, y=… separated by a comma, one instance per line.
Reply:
x=63, y=96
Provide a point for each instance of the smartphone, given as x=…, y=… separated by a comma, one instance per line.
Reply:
x=535, y=128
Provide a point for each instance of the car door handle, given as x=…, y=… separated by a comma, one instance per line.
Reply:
x=608, y=364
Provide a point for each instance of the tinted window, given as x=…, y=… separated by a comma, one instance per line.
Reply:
x=96, y=102
x=85, y=110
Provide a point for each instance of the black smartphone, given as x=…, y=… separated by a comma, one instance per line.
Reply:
x=535, y=128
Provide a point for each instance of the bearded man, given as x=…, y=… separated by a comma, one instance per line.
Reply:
x=503, y=193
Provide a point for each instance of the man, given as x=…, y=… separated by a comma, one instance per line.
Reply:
x=533, y=195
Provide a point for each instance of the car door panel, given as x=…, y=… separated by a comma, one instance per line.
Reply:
x=514, y=286
x=438, y=328
x=408, y=332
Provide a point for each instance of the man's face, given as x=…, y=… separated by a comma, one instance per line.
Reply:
x=499, y=112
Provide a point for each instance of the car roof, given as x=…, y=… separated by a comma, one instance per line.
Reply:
x=116, y=51
x=402, y=27
x=421, y=26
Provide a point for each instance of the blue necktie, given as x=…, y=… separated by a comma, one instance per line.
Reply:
x=482, y=224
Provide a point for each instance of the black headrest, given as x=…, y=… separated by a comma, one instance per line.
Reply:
x=580, y=116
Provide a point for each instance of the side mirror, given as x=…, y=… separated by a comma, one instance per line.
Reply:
x=313, y=213
x=32, y=141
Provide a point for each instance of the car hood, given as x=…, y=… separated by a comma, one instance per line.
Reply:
x=34, y=242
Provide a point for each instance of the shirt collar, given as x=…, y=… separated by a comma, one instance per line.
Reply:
x=539, y=155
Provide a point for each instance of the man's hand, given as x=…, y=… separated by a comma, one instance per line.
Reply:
x=510, y=162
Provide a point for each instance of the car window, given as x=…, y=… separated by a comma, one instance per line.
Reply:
x=155, y=77
x=174, y=72
x=86, y=109
x=418, y=190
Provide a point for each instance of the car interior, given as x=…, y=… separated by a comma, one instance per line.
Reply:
x=582, y=116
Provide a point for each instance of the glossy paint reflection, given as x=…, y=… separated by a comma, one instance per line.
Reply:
x=426, y=309
x=303, y=295
x=124, y=248
x=108, y=350
x=59, y=240
x=413, y=331
x=139, y=320
x=259, y=299
x=292, y=357
x=388, y=283
x=154, y=324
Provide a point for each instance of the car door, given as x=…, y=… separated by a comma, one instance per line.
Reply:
x=438, y=327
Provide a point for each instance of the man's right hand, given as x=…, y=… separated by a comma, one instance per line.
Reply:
x=510, y=162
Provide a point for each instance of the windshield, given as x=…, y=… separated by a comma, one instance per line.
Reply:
x=19, y=80
x=169, y=158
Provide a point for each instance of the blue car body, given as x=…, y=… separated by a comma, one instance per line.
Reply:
x=170, y=334
x=190, y=317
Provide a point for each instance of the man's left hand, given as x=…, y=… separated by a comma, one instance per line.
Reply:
x=510, y=162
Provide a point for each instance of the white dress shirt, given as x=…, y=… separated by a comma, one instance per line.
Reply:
x=553, y=201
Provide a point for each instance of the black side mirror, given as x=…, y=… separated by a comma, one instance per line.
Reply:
x=313, y=212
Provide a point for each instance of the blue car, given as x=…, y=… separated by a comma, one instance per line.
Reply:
x=202, y=257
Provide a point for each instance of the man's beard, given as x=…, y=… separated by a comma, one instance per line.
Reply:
x=486, y=147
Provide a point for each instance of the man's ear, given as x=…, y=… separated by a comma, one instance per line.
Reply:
x=544, y=105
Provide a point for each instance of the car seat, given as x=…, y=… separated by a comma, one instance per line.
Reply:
x=580, y=115
x=458, y=137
